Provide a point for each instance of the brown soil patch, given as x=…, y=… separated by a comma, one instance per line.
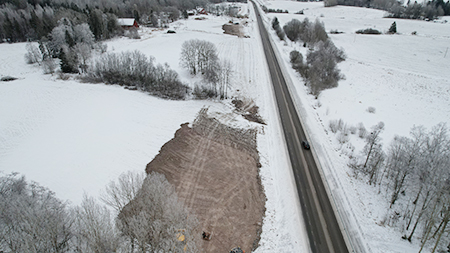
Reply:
x=248, y=110
x=233, y=29
x=215, y=171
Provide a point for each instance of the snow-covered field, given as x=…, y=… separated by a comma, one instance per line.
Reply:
x=404, y=77
x=74, y=138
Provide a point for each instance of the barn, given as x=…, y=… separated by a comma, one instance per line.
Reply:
x=127, y=23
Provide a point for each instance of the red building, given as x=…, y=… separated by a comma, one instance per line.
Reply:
x=127, y=23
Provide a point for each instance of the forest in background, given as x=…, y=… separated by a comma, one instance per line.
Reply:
x=427, y=10
x=31, y=20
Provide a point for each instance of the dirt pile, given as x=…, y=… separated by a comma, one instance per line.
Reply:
x=233, y=29
x=215, y=171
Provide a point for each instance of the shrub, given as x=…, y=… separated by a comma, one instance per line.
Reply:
x=278, y=11
x=371, y=109
x=342, y=138
x=33, y=54
x=336, y=125
x=49, y=65
x=297, y=62
x=136, y=69
x=368, y=31
x=280, y=33
x=8, y=78
x=132, y=34
x=203, y=92
x=335, y=32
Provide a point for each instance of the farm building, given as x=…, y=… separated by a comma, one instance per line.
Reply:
x=127, y=23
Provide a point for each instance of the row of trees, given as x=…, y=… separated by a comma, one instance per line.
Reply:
x=138, y=70
x=200, y=57
x=426, y=10
x=36, y=22
x=148, y=217
x=320, y=70
x=413, y=10
x=22, y=20
x=307, y=32
x=414, y=174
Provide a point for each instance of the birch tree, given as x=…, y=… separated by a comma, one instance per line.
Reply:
x=94, y=229
x=118, y=194
x=156, y=219
x=32, y=219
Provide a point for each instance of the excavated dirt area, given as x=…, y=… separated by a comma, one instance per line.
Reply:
x=215, y=171
x=233, y=29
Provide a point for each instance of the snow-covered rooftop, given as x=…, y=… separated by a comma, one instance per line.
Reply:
x=126, y=21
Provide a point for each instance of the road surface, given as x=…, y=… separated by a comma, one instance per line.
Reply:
x=322, y=227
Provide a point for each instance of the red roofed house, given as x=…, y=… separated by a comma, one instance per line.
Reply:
x=127, y=23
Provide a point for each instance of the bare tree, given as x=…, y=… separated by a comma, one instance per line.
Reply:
x=417, y=167
x=156, y=220
x=31, y=218
x=373, y=142
x=84, y=52
x=225, y=75
x=198, y=56
x=118, y=194
x=189, y=56
x=94, y=229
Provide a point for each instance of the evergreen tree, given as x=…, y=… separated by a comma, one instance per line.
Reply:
x=37, y=25
x=66, y=66
x=393, y=28
x=69, y=39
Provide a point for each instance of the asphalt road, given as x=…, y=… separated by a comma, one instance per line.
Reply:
x=322, y=227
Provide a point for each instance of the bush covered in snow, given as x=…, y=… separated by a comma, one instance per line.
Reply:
x=368, y=31
x=136, y=69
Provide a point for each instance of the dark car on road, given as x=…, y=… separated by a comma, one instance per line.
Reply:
x=305, y=145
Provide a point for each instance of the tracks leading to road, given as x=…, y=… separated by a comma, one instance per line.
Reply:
x=322, y=227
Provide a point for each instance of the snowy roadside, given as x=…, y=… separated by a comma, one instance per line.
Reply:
x=379, y=80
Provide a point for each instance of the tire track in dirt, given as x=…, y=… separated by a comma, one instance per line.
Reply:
x=217, y=180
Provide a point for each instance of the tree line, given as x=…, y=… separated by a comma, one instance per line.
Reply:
x=413, y=174
x=147, y=216
x=320, y=70
x=25, y=20
x=413, y=10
